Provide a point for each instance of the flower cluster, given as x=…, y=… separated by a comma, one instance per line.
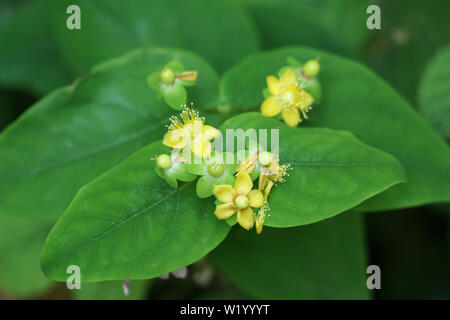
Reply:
x=227, y=176
x=293, y=93
x=170, y=83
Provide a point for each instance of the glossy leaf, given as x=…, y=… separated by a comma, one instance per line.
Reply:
x=434, y=93
x=129, y=224
x=78, y=132
x=21, y=242
x=331, y=171
x=113, y=27
x=325, y=260
x=356, y=100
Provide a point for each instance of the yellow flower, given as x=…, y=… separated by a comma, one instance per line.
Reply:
x=248, y=164
x=287, y=97
x=191, y=130
x=271, y=169
x=240, y=199
x=261, y=216
x=268, y=166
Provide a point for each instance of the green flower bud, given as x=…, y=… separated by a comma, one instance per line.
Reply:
x=241, y=202
x=265, y=159
x=163, y=161
x=215, y=169
x=167, y=76
x=311, y=68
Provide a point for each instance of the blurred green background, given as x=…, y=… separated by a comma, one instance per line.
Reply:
x=39, y=54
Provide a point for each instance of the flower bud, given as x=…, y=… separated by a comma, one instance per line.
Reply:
x=167, y=76
x=311, y=68
x=163, y=161
x=265, y=159
x=215, y=169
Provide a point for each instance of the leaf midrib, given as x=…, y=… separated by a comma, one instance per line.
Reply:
x=131, y=218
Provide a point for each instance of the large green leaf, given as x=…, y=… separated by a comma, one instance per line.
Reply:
x=21, y=242
x=332, y=171
x=217, y=30
x=29, y=58
x=112, y=290
x=356, y=100
x=434, y=93
x=337, y=26
x=129, y=224
x=78, y=132
x=326, y=260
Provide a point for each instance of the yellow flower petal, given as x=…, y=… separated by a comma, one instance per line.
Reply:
x=291, y=116
x=256, y=198
x=188, y=75
x=246, y=218
x=177, y=138
x=288, y=77
x=243, y=183
x=270, y=107
x=274, y=168
x=224, y=211
x=307, y=99
x=210, y=132
x=201, y=148
x=224, y=192
x=273, y=84
x=259, y=223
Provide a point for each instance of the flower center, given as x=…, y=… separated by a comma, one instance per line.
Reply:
x=167, y=76
x=241, y=202
x=163, y=161
x=265, y=159
x=215, y=169
x=288, y=96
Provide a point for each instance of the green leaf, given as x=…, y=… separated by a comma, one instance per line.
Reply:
x=21, y=242
x=113, y=27
x=129, y=224
x=78, y=132
x=205, y=184
x=332, y=171
x=153, y=80
x=176, y=66
x=112, y=290
x=29, y=57
x=338, y=26
x=356, y=100
x=326, y=260
x=434, y=93
x=174, y=95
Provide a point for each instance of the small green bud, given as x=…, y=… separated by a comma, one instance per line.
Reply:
x=311, y=68
x=265, y=159
x=215, y=169
x=241, y=202
x=167, y=76
x=163, y=161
